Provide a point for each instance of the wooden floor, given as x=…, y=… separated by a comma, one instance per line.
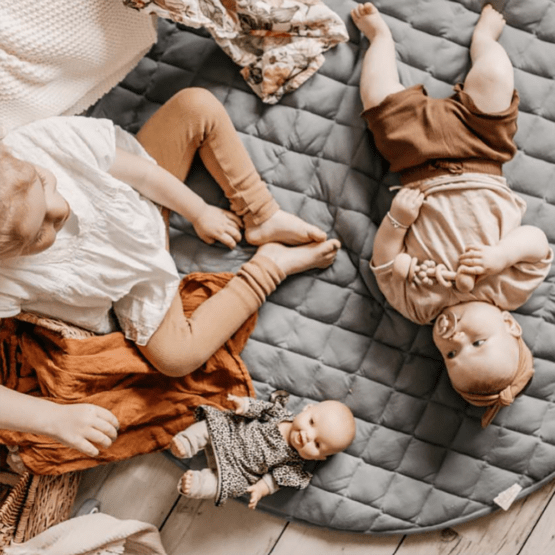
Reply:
x=144, y=488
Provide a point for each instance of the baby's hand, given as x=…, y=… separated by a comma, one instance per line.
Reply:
x=215, y=224
x=239, y=403
x=406, y=206
x=83, y=426
x=481, y=260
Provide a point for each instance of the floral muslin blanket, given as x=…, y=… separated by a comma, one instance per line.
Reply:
x=278, y=43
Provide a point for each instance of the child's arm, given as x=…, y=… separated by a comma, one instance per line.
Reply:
x=154, y=182
x=78, y=425
x=265, y=486
x=524, y=244
x=390, y=238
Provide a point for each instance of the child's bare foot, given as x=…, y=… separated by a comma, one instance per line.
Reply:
x=292, y=260
x=284, y=227
x=490, y=24
x=369, y=20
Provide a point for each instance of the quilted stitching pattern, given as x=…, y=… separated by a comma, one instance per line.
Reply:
x=420, y=460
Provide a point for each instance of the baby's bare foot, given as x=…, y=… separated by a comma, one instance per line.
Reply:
x=369, y=20
x=292, y=260
x=490, y=24
x=284, y=227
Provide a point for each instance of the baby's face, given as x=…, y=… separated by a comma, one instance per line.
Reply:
x=40, y=211
x=479, y=345
x=317, y=432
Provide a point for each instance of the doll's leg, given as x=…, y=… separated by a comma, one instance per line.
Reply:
x=379, y=76
x=181, y=345
x=490, y=81
x=190, y=441
x=195, y=121
x=198, y=484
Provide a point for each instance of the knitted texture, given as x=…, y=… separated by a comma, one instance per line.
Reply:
x=59, y=57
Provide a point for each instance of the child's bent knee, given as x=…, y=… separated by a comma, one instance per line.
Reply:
x=171, y=360
x=197, y=100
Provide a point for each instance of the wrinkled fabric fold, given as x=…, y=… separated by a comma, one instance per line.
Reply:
x=110, y=372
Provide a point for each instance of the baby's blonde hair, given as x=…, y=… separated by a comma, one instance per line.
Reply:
x=11, y=192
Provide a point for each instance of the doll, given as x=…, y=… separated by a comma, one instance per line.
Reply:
x=260, y=446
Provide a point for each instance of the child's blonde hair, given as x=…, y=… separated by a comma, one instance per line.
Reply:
x=12, y=191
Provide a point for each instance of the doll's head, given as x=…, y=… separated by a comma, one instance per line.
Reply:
x=486, y=358
x=322, y=429
x=33, y=211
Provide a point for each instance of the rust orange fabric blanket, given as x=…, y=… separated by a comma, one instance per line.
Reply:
x=109, y=371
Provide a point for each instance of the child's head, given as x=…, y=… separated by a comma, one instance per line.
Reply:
x=33, y=211
x=321, y=430
x=486, y=358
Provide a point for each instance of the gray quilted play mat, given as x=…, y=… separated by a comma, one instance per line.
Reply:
x=420, y=460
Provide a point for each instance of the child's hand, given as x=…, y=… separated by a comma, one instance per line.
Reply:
x=215, y=224
x=258, y=491
x=82, y=426
x=239, y=403
x=481, y=260
x=406, y=205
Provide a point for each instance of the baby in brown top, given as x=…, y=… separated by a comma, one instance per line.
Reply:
x=452, y=250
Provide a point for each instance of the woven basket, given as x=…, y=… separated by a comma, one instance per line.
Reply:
x=34, y=504
x=31, y=503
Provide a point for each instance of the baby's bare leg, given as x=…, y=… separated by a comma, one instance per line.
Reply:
x=490, y=81
x=379, y=76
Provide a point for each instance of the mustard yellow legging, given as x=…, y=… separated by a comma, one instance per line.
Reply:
x=195, y=121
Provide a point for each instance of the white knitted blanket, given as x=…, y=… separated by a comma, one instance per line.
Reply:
x=60, y=56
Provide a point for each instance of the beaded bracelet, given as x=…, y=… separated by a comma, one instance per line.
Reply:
x=395, y=223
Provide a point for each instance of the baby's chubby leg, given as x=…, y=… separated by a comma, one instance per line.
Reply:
x=379, y=77
x=490, y=81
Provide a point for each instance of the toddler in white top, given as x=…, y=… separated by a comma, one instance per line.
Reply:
x=81, y=236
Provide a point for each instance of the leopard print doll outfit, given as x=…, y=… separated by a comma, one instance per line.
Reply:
x=247, y=446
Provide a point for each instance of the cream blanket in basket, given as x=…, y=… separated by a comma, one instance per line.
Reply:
x=60, y=56
x=94, y=534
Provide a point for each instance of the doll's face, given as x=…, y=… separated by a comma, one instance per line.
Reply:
x=322, y=430
x=479, y=344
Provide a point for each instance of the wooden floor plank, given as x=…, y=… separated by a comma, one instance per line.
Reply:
x=542, y=539
x=142, y=488
x=90, y=483
x=299, y=539
x=500, y=533
x=196, y=527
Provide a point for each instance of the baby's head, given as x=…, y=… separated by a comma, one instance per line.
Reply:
x=33, y=211
x=322, y=429
x=486, y=358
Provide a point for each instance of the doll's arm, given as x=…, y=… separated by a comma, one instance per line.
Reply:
x=265, y=486
x=154, y=182
x=81, y=426
x=241, y=403
x=524, y=244
x=390, y=238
